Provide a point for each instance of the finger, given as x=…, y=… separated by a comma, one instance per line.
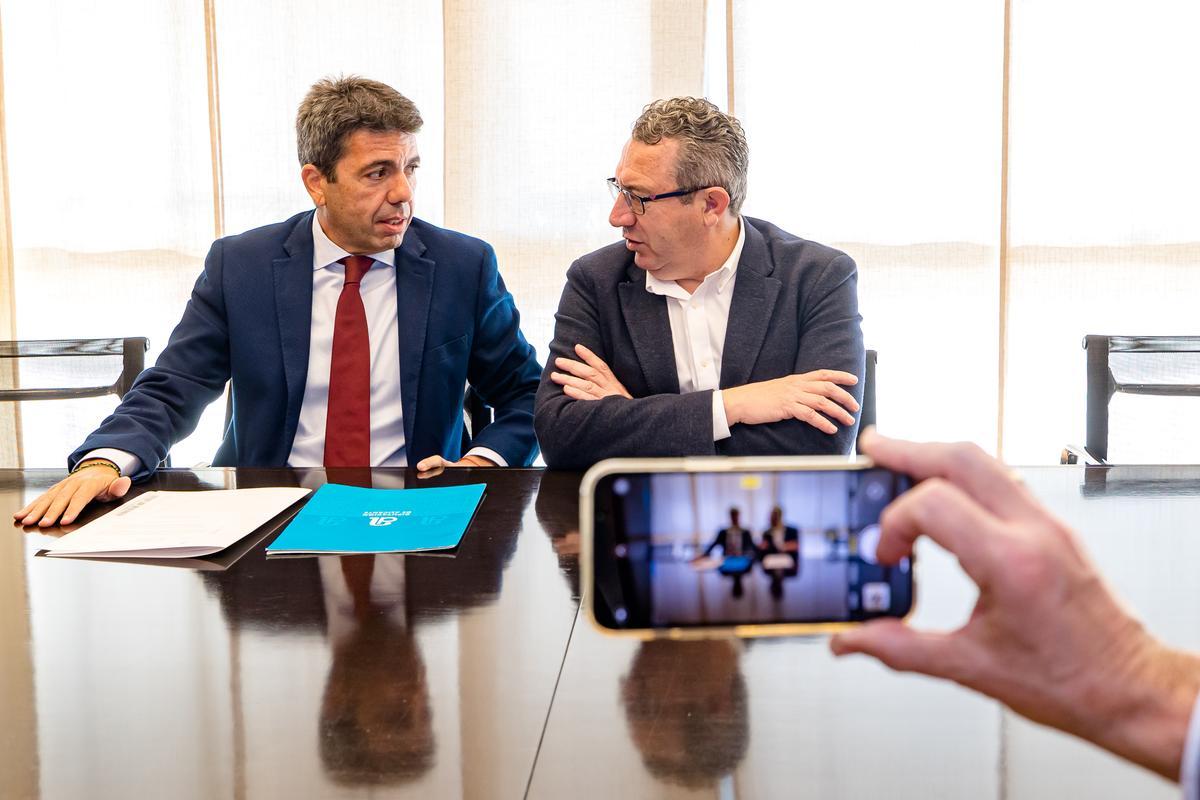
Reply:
x=574, y=367
x=831, y=375
x=835, y=393
x=57, y=506
x=585, y=386
x=900, y=647
x=431, y=462
x=38, y=507
x=942, y=511
x=982, y=477
x=828, y=408
x=806, y=414
x=592, y=360
x=83, y=495
x=116, y=489
x=578, y=394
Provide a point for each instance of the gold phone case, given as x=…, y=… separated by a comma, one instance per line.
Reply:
x=709, y=464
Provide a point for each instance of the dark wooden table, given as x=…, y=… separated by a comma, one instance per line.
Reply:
x=470, y=676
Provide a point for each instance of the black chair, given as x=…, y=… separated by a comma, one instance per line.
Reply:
x=477, y=415
x=867, y=417
x=1163, y=366
x=65, y=369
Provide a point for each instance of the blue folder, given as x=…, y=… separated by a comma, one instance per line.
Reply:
x=349, y=519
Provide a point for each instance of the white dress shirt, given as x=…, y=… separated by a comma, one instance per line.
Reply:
x=378, y=291
x=698, y=324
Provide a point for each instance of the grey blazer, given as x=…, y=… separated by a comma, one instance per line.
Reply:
x=794, y=309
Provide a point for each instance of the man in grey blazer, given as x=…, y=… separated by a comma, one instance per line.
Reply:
x=703, y=332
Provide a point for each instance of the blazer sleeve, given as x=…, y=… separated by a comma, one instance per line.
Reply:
x=165, y=402
x=503, y=368
x=574, y=434
x=830, y=338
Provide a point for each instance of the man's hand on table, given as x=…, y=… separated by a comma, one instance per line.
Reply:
x=96, y=480
x=436, y=465
x=1047, y=636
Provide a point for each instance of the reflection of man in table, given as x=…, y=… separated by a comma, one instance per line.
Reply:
x=689, y=731
x=376, y=724
x=779, y=551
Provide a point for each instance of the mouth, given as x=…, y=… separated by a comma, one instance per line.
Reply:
x=395, y=224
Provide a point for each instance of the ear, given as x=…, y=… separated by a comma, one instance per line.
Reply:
x=314, y=183
x=716, y=203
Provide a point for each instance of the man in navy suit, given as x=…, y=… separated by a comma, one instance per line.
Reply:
x=434, y=316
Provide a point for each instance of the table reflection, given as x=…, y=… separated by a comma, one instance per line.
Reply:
x=686, y=706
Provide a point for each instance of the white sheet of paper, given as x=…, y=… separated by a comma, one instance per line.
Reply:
x=177, y=524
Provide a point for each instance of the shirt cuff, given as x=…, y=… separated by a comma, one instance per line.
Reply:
x=128, y=463
x=1189, y=770
x=489, y=454
x=720, y=421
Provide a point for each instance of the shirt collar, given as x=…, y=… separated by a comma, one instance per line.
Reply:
x=720, y=277
x=325, y=252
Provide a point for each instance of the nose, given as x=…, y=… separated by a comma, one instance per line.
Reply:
x=401, y=190
x=621, y=215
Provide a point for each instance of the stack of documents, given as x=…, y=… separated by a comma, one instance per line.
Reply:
x=349, y=519
x=176, y=524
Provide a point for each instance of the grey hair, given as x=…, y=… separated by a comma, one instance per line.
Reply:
x=336, y=107
x=712, y=144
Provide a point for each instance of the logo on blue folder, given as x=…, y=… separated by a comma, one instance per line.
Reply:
x=379, y=519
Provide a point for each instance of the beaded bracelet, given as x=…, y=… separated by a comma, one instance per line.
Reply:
x=91, y=462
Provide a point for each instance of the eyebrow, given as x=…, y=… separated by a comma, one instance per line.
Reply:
x=636, y=188
x=384, y=162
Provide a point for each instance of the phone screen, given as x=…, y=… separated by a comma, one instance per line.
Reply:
x=701, y=549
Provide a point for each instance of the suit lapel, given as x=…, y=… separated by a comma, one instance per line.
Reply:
x=754, y=296
x=649, y=327
x=414, y=295
x=293, y=277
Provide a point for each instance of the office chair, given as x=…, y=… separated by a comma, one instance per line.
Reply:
x=867, y=417
x=477, y=415
x=1160, y=366
x=64, y=369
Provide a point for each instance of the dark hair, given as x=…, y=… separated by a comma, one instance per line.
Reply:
x=336, y=107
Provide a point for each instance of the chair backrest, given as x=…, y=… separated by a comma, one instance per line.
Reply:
x=62, y=369
x=1163, y=366
x=867, y=417
x=478, y=415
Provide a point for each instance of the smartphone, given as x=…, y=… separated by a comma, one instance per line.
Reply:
x=697, y=547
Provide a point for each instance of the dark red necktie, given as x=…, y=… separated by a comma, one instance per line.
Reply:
x=348, y=420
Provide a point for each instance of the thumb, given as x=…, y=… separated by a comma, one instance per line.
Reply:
x=898, y=646
x=118, y=488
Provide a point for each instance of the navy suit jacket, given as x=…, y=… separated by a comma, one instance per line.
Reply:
x=794, y=309
x=249, y=320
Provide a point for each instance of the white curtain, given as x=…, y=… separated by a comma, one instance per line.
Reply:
x=874, y=126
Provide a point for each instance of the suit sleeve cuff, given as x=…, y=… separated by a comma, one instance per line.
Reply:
x=128, y=463
x=489, y=454
x=720, y=421
x=1189, y=770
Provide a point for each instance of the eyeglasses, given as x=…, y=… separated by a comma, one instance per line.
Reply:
x=636, y=203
